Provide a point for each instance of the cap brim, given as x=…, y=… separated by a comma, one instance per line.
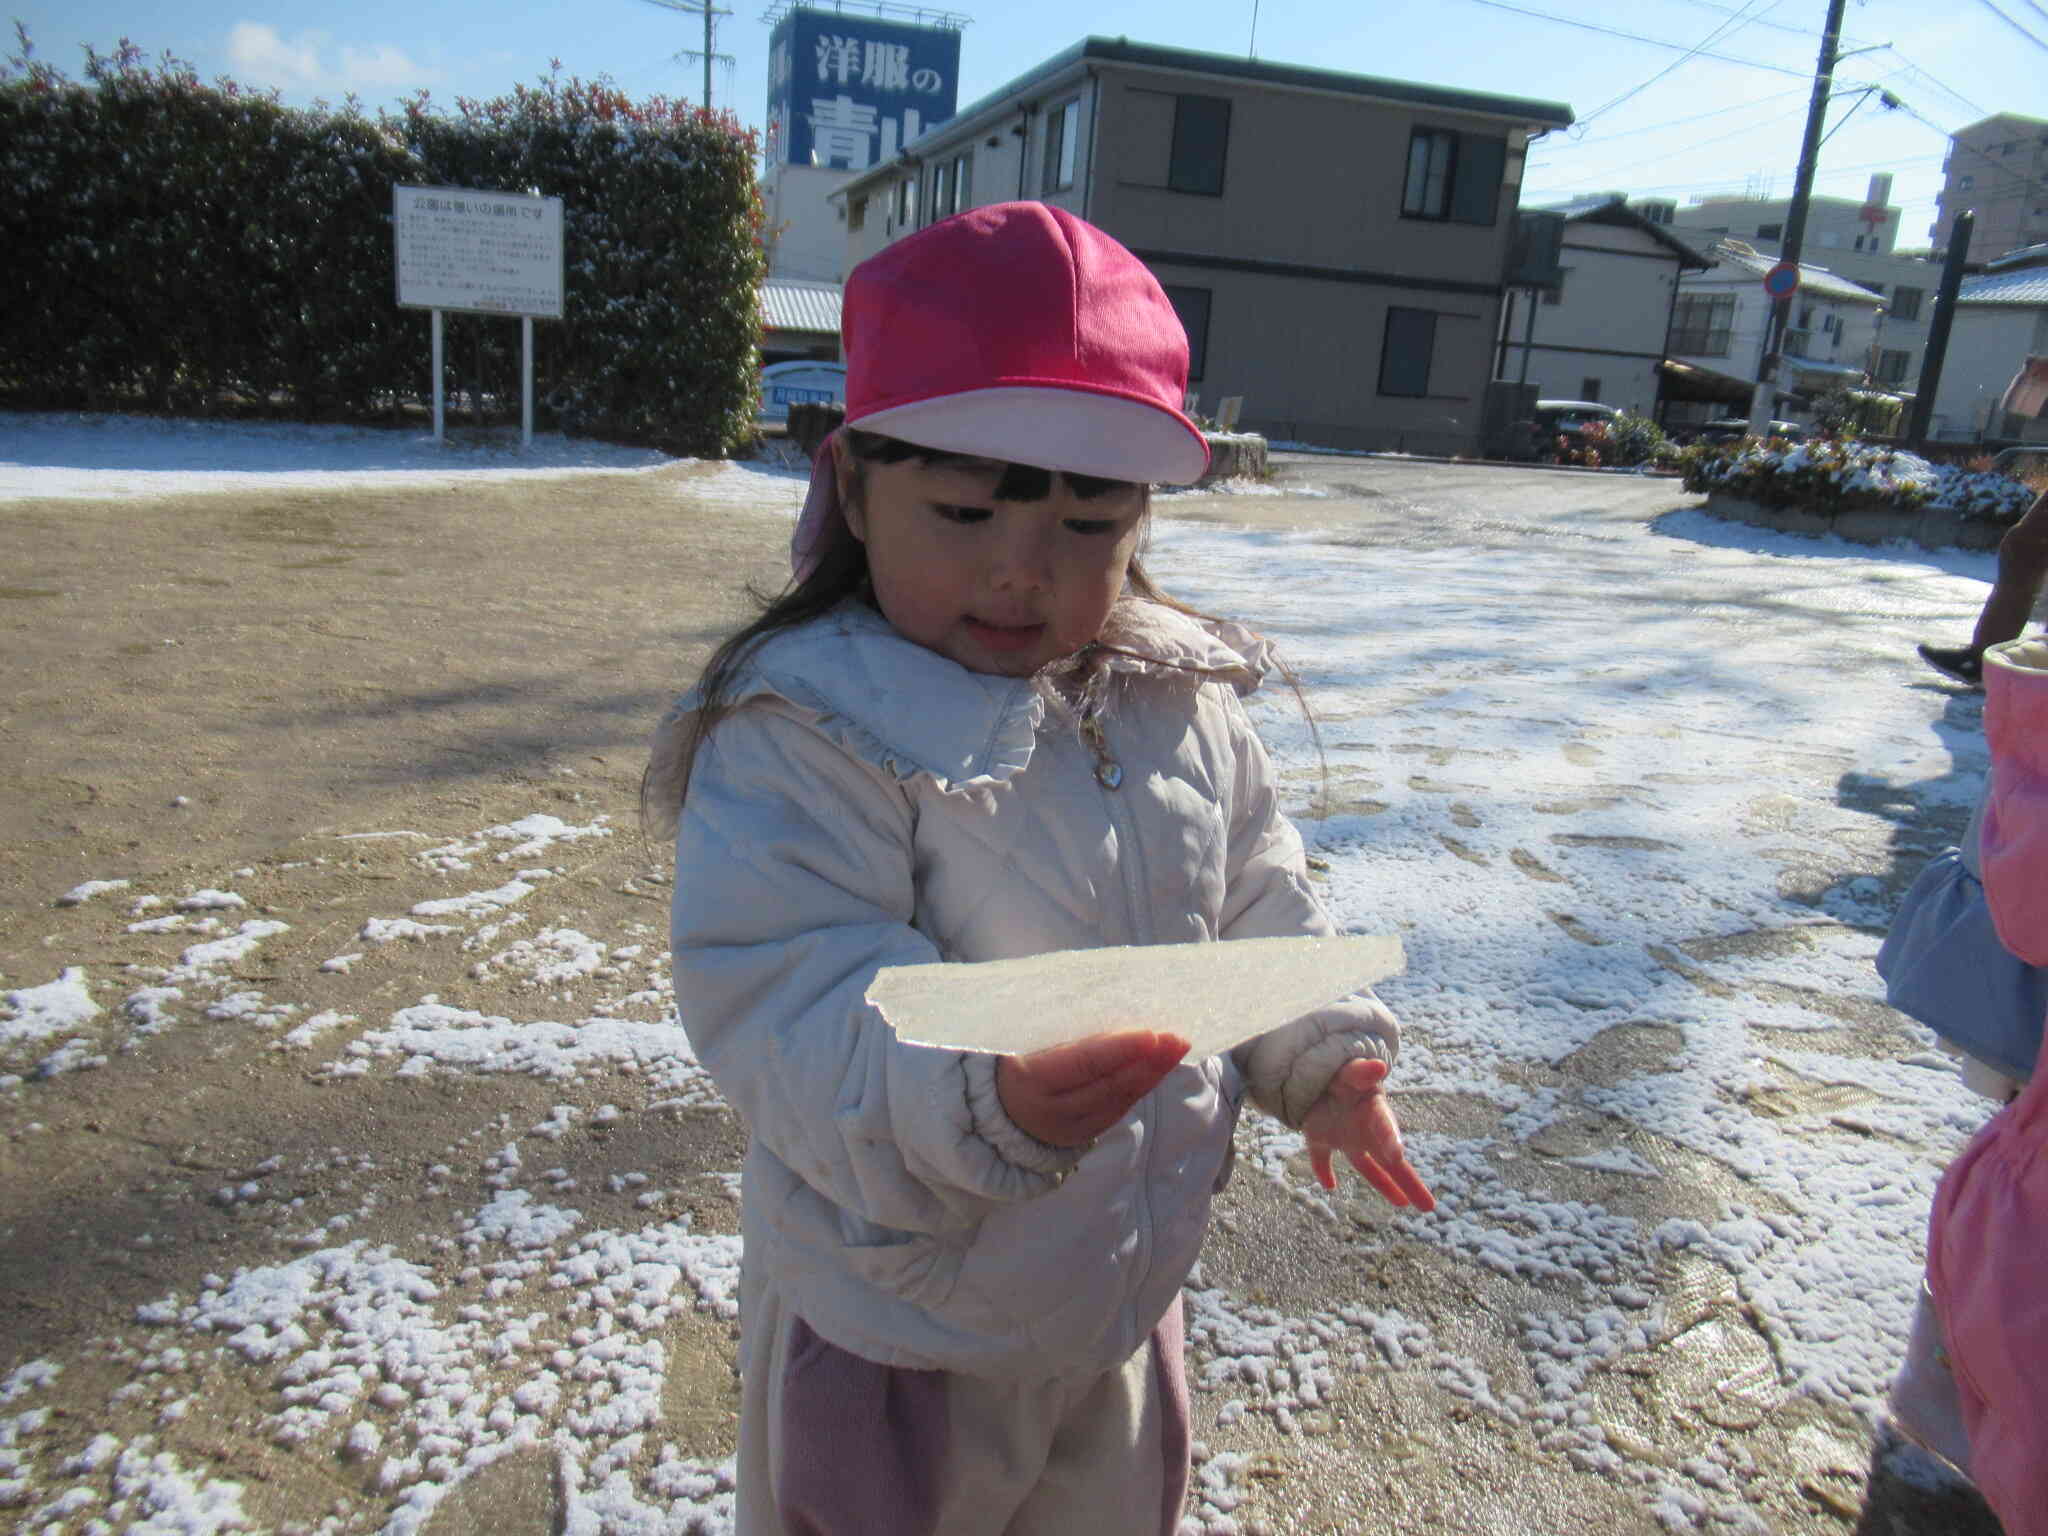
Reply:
x=1076, y=431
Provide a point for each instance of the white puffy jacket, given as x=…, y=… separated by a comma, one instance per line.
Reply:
x=872, y=803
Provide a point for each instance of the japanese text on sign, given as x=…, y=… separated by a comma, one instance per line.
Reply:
x=493, y=252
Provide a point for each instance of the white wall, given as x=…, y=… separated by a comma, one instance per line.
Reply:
x=1987, y=344
x=807, y=233
x=1616, y=300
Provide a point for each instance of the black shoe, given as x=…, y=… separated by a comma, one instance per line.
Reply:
x=1959, y=662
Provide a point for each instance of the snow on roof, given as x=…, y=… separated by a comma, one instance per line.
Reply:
x=1813, y=281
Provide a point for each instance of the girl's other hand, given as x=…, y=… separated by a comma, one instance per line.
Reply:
x=1354, y=1117
x=1067, y=1095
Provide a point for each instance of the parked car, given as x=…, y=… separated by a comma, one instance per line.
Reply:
x=1564, y=430
x=1729, y=428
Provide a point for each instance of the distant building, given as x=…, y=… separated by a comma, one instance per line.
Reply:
x=1336, y=244
x=1600, y=333
x=1834, y=225
x=1852, y=240
x=849, y=84
x=1997, y=168
x=2001, y=323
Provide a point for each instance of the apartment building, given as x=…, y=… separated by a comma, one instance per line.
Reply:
x=1998, y=169
x=1334, y=243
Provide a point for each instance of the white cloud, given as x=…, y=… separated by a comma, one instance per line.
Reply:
x=262, y=57
x=309, y=62
x=382, y=65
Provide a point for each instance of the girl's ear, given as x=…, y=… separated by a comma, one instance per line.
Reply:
x=847, y=477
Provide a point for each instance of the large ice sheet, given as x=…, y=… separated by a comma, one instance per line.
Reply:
x=1215, y=994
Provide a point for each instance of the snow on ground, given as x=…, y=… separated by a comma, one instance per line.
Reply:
x=1638, y=735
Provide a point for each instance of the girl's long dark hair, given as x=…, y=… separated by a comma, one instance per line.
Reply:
x=841, y=572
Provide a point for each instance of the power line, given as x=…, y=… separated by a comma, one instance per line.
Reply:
x=1939, y=85
x=1678, y=122
x=2023, y=32
x=2037, y=10
x=1729, y=27
x=1637, y=37
x=1774, y=26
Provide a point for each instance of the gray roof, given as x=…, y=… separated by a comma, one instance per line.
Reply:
x=1119, y=50
x=2024, y=286
x=797, y=304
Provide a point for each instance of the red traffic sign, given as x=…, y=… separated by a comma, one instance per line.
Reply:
x=1782, y=281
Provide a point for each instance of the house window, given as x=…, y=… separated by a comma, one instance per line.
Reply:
x=1892, y=366
x=1965, y=183
x=1192, y=305
x=1201, y=141
x=906, y=202
x=1906, y=303
x=1589, y=389
x=857, y=213
x=1701, y=323
x=1556, y=295
x=1454, y=176
x=1770, y=231
x=963, y=181
x=1062, y=130
x=1406, y=351
x=942, y=190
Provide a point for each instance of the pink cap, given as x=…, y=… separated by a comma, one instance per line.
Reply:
x=1020, y=333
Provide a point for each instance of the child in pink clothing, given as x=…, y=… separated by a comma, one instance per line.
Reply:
x=1987, y=1240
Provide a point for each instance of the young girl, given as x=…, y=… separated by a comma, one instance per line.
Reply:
x=1988, y=1235
x=1967, y=956
x=972, y=729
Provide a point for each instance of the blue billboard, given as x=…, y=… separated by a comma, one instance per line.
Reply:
x=846, y=92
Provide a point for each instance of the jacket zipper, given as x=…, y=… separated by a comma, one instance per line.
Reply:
x=1109, y=777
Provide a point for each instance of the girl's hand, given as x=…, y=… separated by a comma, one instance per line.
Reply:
x=1067, y=1095
x=1353, y=1117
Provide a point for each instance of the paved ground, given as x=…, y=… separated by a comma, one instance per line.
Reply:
x=226, y=694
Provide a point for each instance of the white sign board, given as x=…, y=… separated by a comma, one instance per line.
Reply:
x=1216, y=995
x=495, y=253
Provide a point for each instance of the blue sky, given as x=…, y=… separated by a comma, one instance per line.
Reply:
x=1707, y=126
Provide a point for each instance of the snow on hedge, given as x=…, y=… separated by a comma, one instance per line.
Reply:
x=1832, y=475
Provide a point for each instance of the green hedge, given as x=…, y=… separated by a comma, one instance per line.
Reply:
x=175, y=245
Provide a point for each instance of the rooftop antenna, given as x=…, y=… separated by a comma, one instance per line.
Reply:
x=1253, y=51
x=705, y=9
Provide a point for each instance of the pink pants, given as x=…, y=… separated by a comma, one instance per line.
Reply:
x=1987, y=1265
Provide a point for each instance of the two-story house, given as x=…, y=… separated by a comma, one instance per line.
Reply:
x=1334, y=243
x=1720, y=321
x=1600, y=333
x=1853, y=240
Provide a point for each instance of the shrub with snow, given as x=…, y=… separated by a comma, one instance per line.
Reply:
x=1838, y=475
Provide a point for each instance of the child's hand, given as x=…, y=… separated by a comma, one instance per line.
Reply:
x=1067, y=1095
x=1353, y=1117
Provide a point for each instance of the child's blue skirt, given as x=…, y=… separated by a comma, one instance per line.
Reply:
x=1943, y=964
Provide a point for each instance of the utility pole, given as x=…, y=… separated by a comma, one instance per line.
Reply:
x=1763, y=404
x=1937, y=330
x=705, y=9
